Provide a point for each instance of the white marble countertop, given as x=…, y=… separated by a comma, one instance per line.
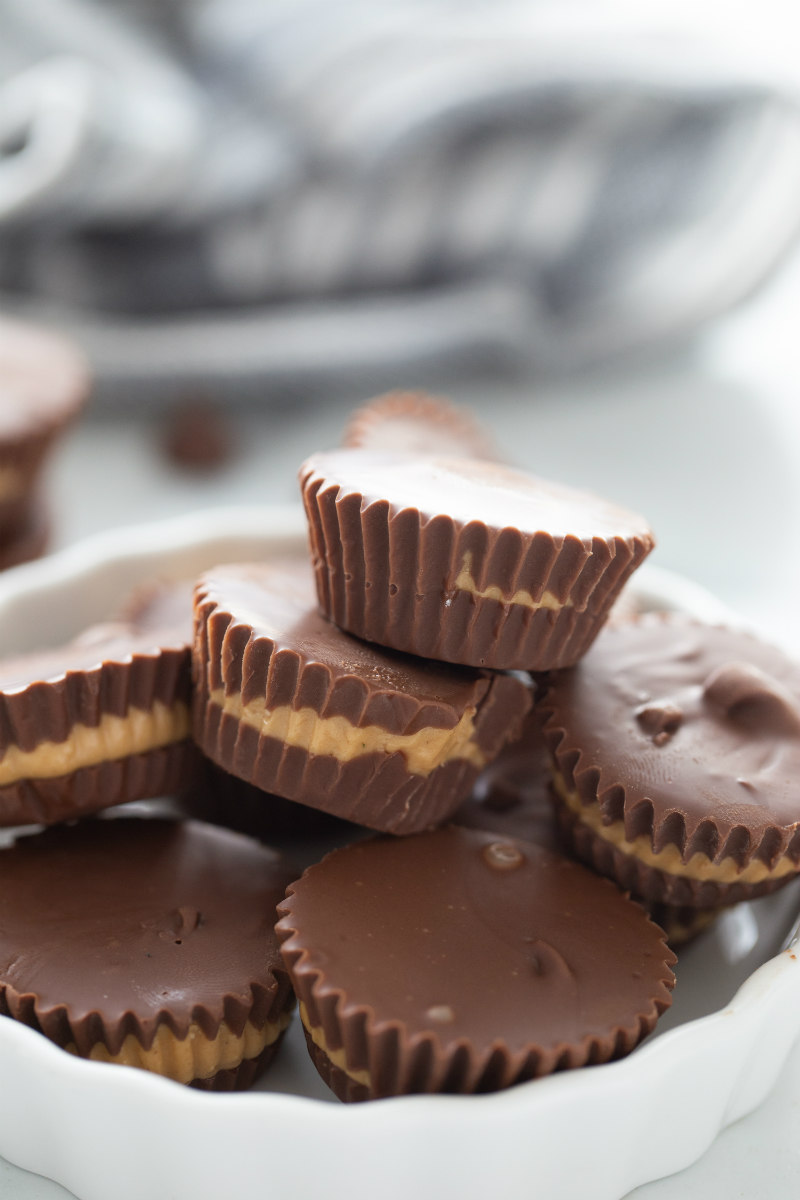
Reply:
x=706, y=443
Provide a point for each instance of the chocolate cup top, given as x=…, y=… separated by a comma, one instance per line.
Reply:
x=156, y=617
x=470, y=490
x=473, y=941
x=115, y=927
x=417, y=423
x=44, y=380
x=293, y=656
x=108, y=669
x=687, y=732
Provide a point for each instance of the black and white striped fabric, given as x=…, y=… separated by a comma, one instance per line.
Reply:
x=281, y=189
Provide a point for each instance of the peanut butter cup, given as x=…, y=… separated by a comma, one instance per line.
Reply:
x=148, y=943
x=44, y=382
x=514, y=797
x=462, y=961
x=677, y=760
x=97, y=722
x=465, y=561
x=416, y=423
x=285, y=700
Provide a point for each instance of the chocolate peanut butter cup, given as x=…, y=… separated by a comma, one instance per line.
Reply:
x=465, y=561
x=514, y=797
x=94, y=723
x=285, y=700
x=462, y=961
x=148, y=943
x=44, y=382
x=677, y=760
x=416, y=423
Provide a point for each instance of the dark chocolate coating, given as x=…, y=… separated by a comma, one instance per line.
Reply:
x=462, y=961
x=259, y=635
x=223, y=799
x=417, y=423
x=107, y=670
x=689, y=734
x=169, y=770
x=391, y=535
x=115, y=927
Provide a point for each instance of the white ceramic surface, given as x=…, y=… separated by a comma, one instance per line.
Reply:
x=117, y=1134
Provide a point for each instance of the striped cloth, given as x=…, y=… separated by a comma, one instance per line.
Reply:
x=251, y=190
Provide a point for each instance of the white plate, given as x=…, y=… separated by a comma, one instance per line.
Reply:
x=118, y=1134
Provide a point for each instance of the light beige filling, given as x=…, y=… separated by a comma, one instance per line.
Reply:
x=304, y=728
x=115, y=737
x=195, y=1056
x=465, y=582
x=12, y=483
x=699, y=866
x=337, y=1057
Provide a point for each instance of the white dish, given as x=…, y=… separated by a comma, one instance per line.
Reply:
x=118, y=1134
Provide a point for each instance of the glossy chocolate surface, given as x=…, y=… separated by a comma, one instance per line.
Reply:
x=110, y=927
x=685, y=731
x=467, y=937
x=279, y=647
x=471, y=490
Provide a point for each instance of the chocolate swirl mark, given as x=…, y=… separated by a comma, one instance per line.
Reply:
x=748, y=696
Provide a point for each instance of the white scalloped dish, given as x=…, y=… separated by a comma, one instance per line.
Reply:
x=112, y=1133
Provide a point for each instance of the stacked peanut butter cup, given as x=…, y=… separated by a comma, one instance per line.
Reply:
x=515, y=786
x=44, y=384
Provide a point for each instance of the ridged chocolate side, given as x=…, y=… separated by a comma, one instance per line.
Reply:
x=337, y=677
x=118, y=927
x=388, y=574
x=682, y=923
x=374, y=790
x=224, y=799
x=418, y=423
x=651, y=884
x=341, y=1084
x=687, y=734
x=44, y=707
x=238, y=1079
x=166, y=771
x=441, y=1002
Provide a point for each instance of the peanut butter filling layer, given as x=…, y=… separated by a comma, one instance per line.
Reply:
x=304, y=728
x=699, y=867
x=465, y=582
x=113, y=738
x=195, y=1056
x=337, y=1057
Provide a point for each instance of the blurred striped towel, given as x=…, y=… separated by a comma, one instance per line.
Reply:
x=253, y=190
